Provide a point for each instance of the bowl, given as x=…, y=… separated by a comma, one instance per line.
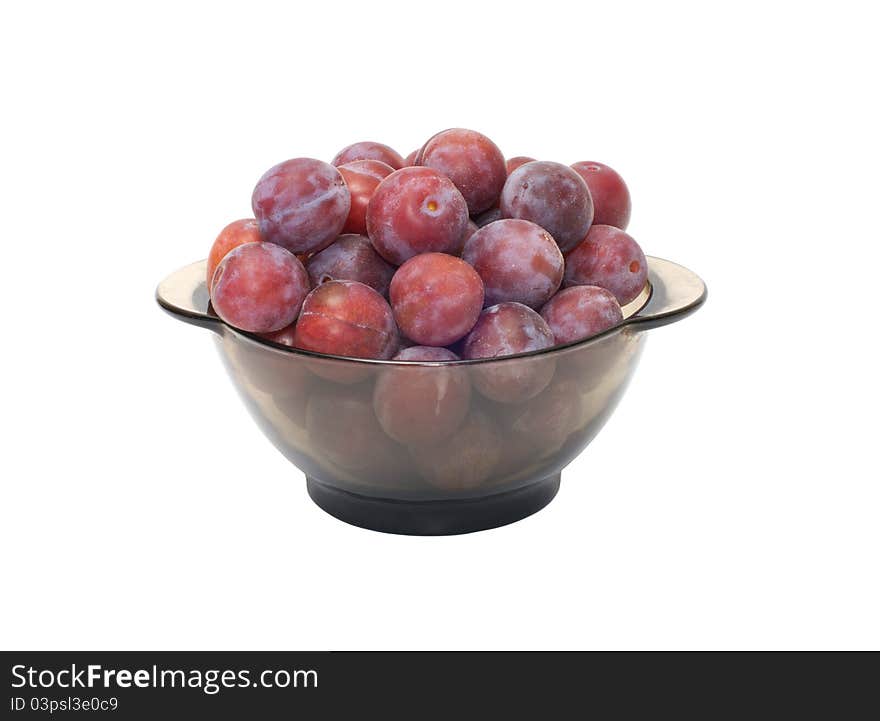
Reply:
x=435, y=448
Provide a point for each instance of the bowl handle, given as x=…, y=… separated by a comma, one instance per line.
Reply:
x=676, y=293
x=184, y=294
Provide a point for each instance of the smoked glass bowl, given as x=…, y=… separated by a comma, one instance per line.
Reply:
x=528, y=416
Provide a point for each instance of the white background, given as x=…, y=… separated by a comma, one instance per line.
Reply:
x=731, y=502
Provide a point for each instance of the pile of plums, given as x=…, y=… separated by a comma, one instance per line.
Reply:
x=450, y=253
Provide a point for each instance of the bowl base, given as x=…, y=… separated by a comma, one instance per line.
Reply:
x=434, y=518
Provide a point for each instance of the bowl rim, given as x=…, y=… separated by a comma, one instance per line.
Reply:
x=643, y=299
x=672, y=292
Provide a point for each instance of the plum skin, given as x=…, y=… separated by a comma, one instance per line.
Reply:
x=259, y=287
x=436, y=298
x=346, y=318
x=502, y=330
x=284, y=336
x=301, y=204
x=489, y=216
x=422, y=405
x=610, y=258
x=506, y=329
x=469, y=230
x=362, y=177
x=517, y=260
x=368, y=150
x=351, y=257
x=611, y=200
x=238, y=232
x=515, y=162
x=551, y=195
x=415, y=210
x=471, y=161
x=581, y=311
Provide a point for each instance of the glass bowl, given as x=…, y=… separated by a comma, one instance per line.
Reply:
x=431, y=448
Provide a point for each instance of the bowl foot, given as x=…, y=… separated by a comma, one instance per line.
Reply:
x=434, y=518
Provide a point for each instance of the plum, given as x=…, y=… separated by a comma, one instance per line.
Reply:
x=415, y=210
x=233, y=235
x=552, y=195
x=502, y=330
x=301, y=204
x=347, y=318
x=581, y=311
x=517, y=260
x=259, y=287
x=436, y=298
x=351, y=257
x=422, y=405
x=610, y=258
x=611, y=201
x=471, y=161
x=368, y=150
x=362, y=178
